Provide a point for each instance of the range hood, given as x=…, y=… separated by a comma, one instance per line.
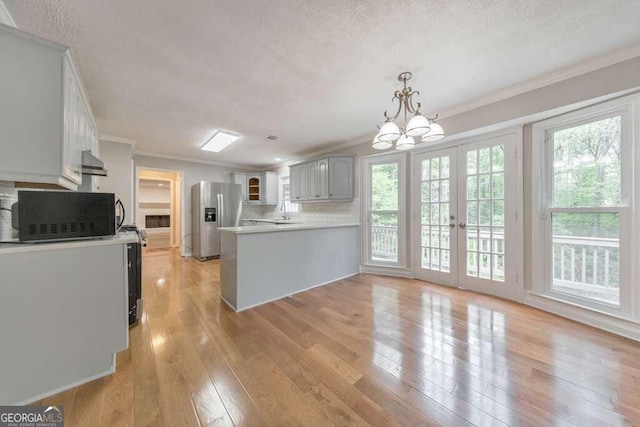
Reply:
x=91, y=165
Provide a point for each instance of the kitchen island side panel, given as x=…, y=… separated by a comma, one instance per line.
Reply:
x=228, y=268
x=275, y=265
x=63, y=315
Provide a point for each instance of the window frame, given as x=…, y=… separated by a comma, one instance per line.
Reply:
x=543, y=208
x=367, y=163
x=285, y=180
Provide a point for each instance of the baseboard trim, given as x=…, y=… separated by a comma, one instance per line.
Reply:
x=615, y=325
x=288, y=295
x=387, y=271
x=53, y=392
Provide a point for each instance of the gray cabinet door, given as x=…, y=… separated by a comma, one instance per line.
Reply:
x=341, y=178
x=322, y=180
x=299, y=180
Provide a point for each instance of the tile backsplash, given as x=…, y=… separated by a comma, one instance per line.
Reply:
x=310, y=212
x=8, y=190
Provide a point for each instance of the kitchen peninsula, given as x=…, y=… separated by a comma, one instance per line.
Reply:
x=263, y=263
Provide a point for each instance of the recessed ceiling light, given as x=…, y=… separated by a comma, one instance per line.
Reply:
x=160, y=184
x=277, y=159
x=219, y=141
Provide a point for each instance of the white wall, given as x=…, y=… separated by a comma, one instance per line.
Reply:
x=117, y=160
x=153, y=195
x=193, y=173
x=612, y=79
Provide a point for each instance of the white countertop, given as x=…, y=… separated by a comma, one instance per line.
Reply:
x=119, y=239
x=270, y=228
x=274, y=221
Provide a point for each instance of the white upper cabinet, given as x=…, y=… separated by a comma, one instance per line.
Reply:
x=299, y=182
x=258, y=188
x=319, y=180
x=240, y=178
x=270, y=188
x=341, y=178
x=46, y=121
x=325, y=179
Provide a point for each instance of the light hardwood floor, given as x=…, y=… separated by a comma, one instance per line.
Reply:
x=367, y=350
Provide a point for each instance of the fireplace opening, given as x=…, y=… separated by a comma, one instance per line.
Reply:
x=157, y=221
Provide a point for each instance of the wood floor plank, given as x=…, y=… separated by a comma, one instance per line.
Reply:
x=147, y=407
x=366, y=350
x=117, y=408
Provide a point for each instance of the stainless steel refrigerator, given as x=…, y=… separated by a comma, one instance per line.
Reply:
x=213, y=205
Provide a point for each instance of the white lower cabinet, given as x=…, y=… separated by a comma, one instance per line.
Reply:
x=44, y=112
x=329, y=178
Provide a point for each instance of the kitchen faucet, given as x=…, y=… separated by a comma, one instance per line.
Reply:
x=283, y=208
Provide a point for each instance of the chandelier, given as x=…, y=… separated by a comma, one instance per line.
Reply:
x=420, y=126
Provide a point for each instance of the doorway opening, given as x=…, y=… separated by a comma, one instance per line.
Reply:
x=159, y=207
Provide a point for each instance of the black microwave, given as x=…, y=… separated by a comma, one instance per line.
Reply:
x=63, y=215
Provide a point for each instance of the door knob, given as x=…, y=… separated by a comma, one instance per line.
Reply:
x=452, y=217
x=462, y=225
x=452, y=225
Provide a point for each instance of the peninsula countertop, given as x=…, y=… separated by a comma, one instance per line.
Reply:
x=271, y=228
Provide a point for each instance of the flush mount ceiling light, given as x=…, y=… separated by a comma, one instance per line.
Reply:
x=417, y=126
x=278, y=159
x=219, y=141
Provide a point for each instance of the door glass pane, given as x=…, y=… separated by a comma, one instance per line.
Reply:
x=484, y=160
x=384, y=187
x=485, y=208
x=586, y=255
x=586, y=164
x=497, y=160
x=384, y=237
x=435, y=206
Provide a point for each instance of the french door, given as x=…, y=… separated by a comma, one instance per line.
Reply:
x=465, y=225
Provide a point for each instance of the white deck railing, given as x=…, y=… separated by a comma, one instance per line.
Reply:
x=586, y=260
x=384, y=242
x=584, y=263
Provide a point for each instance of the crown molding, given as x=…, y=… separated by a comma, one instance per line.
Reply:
x=194, y=160
x=562, y=74
x=558, y=76
x=5, y=16
x=118, y=139
x=327, y=150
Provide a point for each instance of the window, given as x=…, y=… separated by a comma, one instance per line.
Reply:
x=584, y=206
x=290, y=208
x=385, y=189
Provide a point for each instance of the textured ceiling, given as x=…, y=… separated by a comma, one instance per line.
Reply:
x=168, y=73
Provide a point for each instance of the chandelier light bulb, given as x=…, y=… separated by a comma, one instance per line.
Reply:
x=405, y=143
x=389, y=132
x=436, y=133
x=418, y=125
x=381, y=145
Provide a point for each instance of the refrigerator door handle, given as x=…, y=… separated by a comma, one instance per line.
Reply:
x=218, y=212
x=222, y=218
